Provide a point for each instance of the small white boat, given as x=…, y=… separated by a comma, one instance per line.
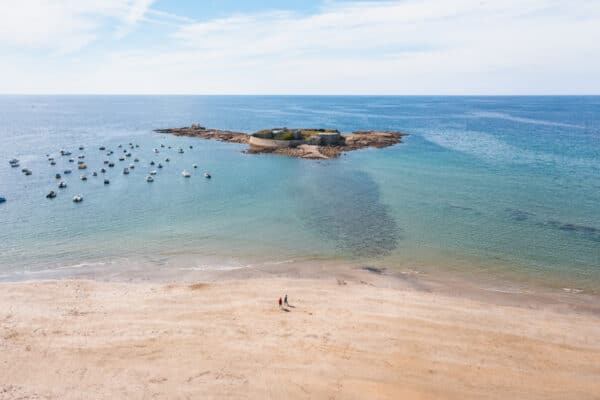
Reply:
x=207, y=175
x=186, y=173
x=71, y=160
x=149, y=179
x=131, y=166
x=78, y=198
x=82, y=166
x=125, y=171
x=195, y=165
x=83, y=178
x=62, y=185
x=156, y=150
x=153, y=172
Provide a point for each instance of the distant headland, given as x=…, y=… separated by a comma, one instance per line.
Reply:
x=302, y=143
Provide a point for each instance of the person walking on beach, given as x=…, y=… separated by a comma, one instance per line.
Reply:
x=285, y=300
x=280, y=302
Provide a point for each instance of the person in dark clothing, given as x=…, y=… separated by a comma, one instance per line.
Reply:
x=285, y=301
x=280, y=302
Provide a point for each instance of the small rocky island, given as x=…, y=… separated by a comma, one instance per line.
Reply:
x=303, y=143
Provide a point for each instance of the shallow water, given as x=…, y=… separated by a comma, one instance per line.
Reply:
x=494, y=186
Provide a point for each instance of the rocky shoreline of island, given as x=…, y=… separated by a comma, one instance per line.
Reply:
x=302, y=143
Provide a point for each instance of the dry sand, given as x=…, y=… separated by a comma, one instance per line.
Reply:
x=360, y=338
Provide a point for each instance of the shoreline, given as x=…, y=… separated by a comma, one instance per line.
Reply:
x=502, y=284
x=351, y=334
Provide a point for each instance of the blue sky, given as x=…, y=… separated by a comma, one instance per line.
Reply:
x=300, y=47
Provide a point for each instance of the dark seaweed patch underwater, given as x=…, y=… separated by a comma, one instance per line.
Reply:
x=344, y=208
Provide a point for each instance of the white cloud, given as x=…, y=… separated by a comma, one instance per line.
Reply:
x=402, y=46
x=65, y=25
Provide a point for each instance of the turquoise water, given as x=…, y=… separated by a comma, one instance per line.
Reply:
x=497, y=186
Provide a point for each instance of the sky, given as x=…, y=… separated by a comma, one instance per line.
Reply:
x=395, y=47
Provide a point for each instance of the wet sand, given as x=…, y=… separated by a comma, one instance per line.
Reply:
x=349, y=335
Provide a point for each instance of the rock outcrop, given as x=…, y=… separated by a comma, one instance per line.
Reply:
x=330, y=144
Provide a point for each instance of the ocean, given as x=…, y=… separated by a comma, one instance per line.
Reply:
x=492, y=188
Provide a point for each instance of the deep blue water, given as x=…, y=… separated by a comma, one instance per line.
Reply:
x=498, y=186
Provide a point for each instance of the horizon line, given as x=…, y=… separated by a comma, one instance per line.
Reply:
x=310, y=94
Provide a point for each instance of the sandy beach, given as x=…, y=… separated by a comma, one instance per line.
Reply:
x=356, y=336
